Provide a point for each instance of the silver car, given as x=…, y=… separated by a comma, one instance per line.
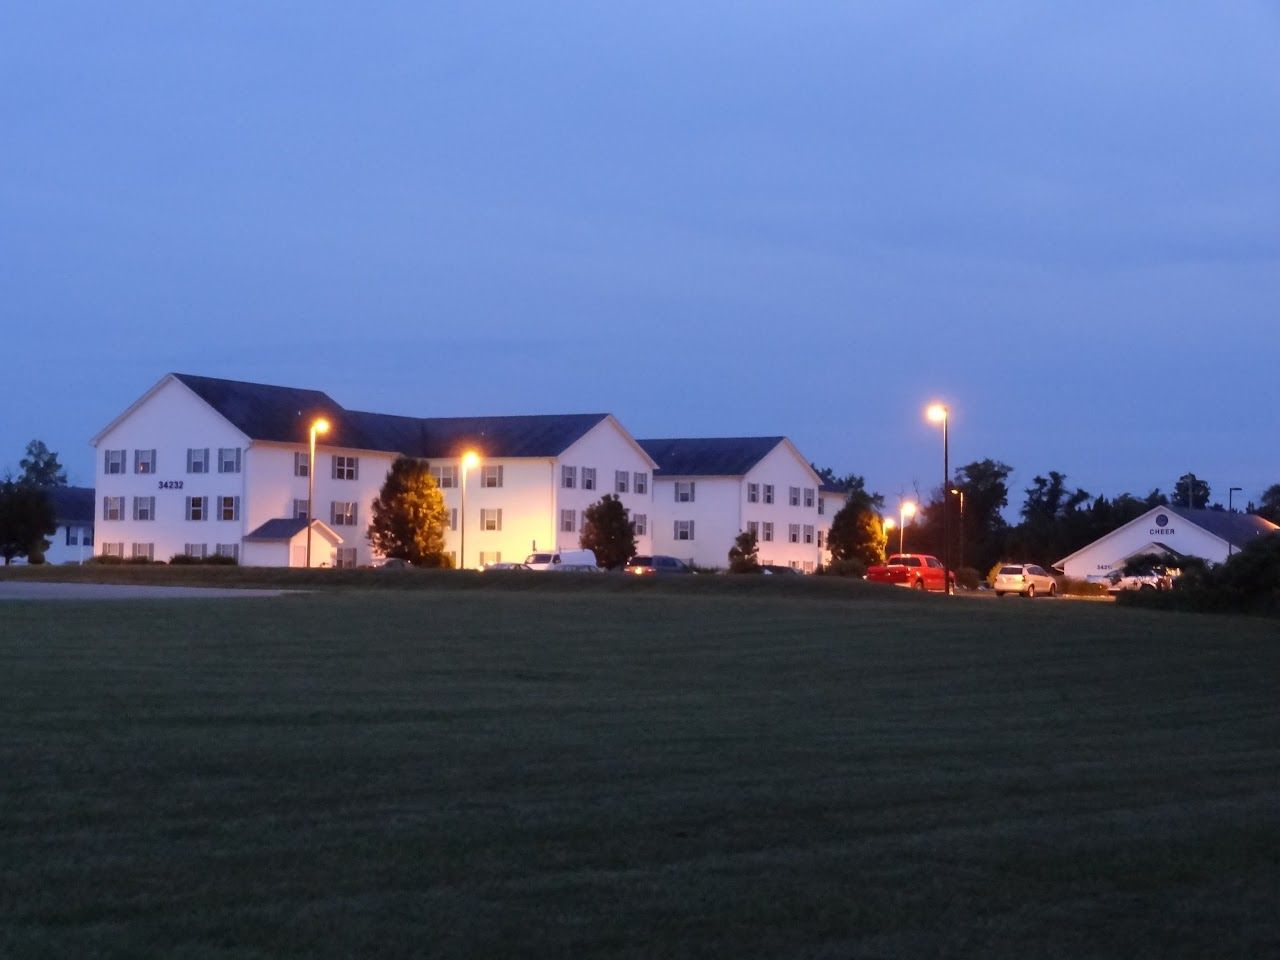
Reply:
x=1025, y=579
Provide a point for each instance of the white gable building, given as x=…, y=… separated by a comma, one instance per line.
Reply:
x=200, y=466
x=708, y=490
x=1211, y=535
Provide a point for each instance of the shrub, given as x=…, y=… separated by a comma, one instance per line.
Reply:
x=967, y=578
x=221, y=560
x=183, y=560
x=1070, y=586
x=106, y=560
x=848, y=567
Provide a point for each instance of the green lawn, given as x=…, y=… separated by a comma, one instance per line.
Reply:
x=636, y=772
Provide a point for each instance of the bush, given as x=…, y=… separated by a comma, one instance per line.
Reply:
x=1249, y=582
x=183, y=560
x=967, y=578
x=1070, y=586
x=848, y=567
x=219, y=560
x=106, y=560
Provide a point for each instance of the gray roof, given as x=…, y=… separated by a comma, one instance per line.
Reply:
x=708, y=456
x=1236, y=529
x=284, y=414
x=72, y=505
x=834, y=488
x=279, y=529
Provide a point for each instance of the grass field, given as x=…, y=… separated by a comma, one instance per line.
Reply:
x=636, y=773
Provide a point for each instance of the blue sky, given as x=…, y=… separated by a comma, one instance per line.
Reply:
x=709, y=219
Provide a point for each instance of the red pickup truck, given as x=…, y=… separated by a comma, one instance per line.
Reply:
x=918, y=571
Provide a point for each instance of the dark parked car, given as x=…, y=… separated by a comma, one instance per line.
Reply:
x=647, y=566
x=776, y=569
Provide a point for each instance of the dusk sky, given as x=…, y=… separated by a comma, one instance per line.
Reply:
x=707, y=218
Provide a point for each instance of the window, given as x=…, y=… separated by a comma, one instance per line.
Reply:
x=588, y=478
x=753, y=493
x=346, y=468
x=808, y=533
x=73, y=536
x=753, y=528
x=342, y=513
x=197, y=460
x=197, y=550
x=144, y=551
x=488, y=557
x=766, y=532
x=113, y=461
x=820, y=538
x=144, y=508
x=344, y=558
x=228, y=459
x=453, y=518
x=641, y=482
x=684, y=529
x=446, y=477
x=113, y=508
x=768, y=493
x=197, y=508
x=302, y=464
x=228, y=508
x=793, y=496
x=620, y=478
x=300, y=509
x=86, y=536
x=568, y=477
x=807, y=566
x=933, y=563
x=809, y=493
x=822, y=507
x=491, y=475
x=490, y=519
x=566, y=521
x=684, y=491
x=793, y=564
x=144, y=461
x=113, y=550
x=231, y=550
x=793, y=533
x=642, y=524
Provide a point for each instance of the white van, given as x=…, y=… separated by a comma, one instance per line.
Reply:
x=562, y=560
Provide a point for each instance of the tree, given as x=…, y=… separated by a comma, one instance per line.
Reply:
x=857, y=533
x=744, y=555
x=854, y=486
x=1269, y=505
x=1198, y=489
x=985, y=530
x=409, y=515
x=40, y=467
x=609, y=532
x=26, y=519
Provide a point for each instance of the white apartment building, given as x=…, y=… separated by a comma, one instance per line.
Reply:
x=708, y=490
x=199, y=466
x=72, y=542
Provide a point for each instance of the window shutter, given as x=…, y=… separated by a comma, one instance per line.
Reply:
x=355, y=510
x=690, y=529
x=500, y=509
x=333, y=467
x=235, y=508
x=675, y=530
x=333, y=511
x=692, y=490
x=355, y=468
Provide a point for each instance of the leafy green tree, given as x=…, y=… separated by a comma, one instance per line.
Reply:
x=857, y=533
x=26, y=519
x=409, y=515
x=609, y=532
x=1190, y=491
x=40, y=467
x=985, y=531
x=1269, y=504
x=854, y=486
x=744, y=555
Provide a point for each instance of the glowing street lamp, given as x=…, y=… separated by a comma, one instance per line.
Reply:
x=319, y=425
x=905, y=512
x=938, y=413
x=469, y=460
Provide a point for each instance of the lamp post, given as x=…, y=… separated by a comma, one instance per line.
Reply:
x=469, y=459
x=938, y=413
x=960, y=493
x=905, y=513
x=1231, y=508
x=320, y=425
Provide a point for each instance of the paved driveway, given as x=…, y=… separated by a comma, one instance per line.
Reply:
x=19, y=590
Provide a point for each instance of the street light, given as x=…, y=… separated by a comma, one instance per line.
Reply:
x=319, y=425
x=906, y=512
x=469, y=459
x=1231, y=508
x=960, y=493
x=938, y=413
